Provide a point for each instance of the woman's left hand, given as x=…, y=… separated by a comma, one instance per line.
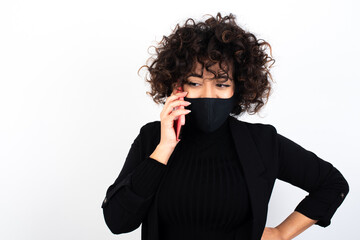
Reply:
x=271, y=234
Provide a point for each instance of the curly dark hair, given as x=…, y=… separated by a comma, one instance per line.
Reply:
x=216, y=40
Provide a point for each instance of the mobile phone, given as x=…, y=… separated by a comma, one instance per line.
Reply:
x=180, y=120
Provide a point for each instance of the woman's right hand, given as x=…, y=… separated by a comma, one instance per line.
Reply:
x=167, y=117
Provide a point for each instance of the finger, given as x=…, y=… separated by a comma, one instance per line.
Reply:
x=175, y=97
x=178, y=113
x=170, y=99
x=177, y=104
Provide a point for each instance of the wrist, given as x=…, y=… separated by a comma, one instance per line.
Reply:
x=162, y=153
x=281, y=234
x=166, y=147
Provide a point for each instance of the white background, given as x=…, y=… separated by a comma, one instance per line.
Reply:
x=71, y=102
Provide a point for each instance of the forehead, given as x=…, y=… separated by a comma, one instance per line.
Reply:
x=198, y=68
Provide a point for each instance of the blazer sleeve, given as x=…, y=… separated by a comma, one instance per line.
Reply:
x=326, y=186
x=128, y=199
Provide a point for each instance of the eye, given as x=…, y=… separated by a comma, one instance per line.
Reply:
x=191, y=83
x=224, y=85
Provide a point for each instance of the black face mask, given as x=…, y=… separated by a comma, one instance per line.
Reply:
x=210, y=113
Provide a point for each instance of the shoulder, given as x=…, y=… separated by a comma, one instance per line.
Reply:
x=150, y=129
x=150, y=126
x=257, y=129
x=149, y=136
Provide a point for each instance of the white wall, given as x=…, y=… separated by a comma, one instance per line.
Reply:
x=71, y=102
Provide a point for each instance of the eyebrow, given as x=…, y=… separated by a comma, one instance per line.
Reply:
x=228, y=78
x=200, y=75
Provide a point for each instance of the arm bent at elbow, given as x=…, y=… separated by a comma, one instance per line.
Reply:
x=128, y=199
x=326, y=186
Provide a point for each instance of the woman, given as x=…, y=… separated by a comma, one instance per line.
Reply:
x=217, y=181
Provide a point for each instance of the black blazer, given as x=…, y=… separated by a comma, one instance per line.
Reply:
x=265, y=156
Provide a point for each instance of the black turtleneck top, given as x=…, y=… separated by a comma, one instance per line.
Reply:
x=203, y=195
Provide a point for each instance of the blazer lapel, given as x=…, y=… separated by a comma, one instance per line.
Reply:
x=253, y=170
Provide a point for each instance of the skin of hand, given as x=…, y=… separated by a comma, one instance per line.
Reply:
x=168, y=141
x=292, y=226
x=167, y=116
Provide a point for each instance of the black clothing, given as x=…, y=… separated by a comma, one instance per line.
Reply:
x=204, y=195
x=138, y=194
